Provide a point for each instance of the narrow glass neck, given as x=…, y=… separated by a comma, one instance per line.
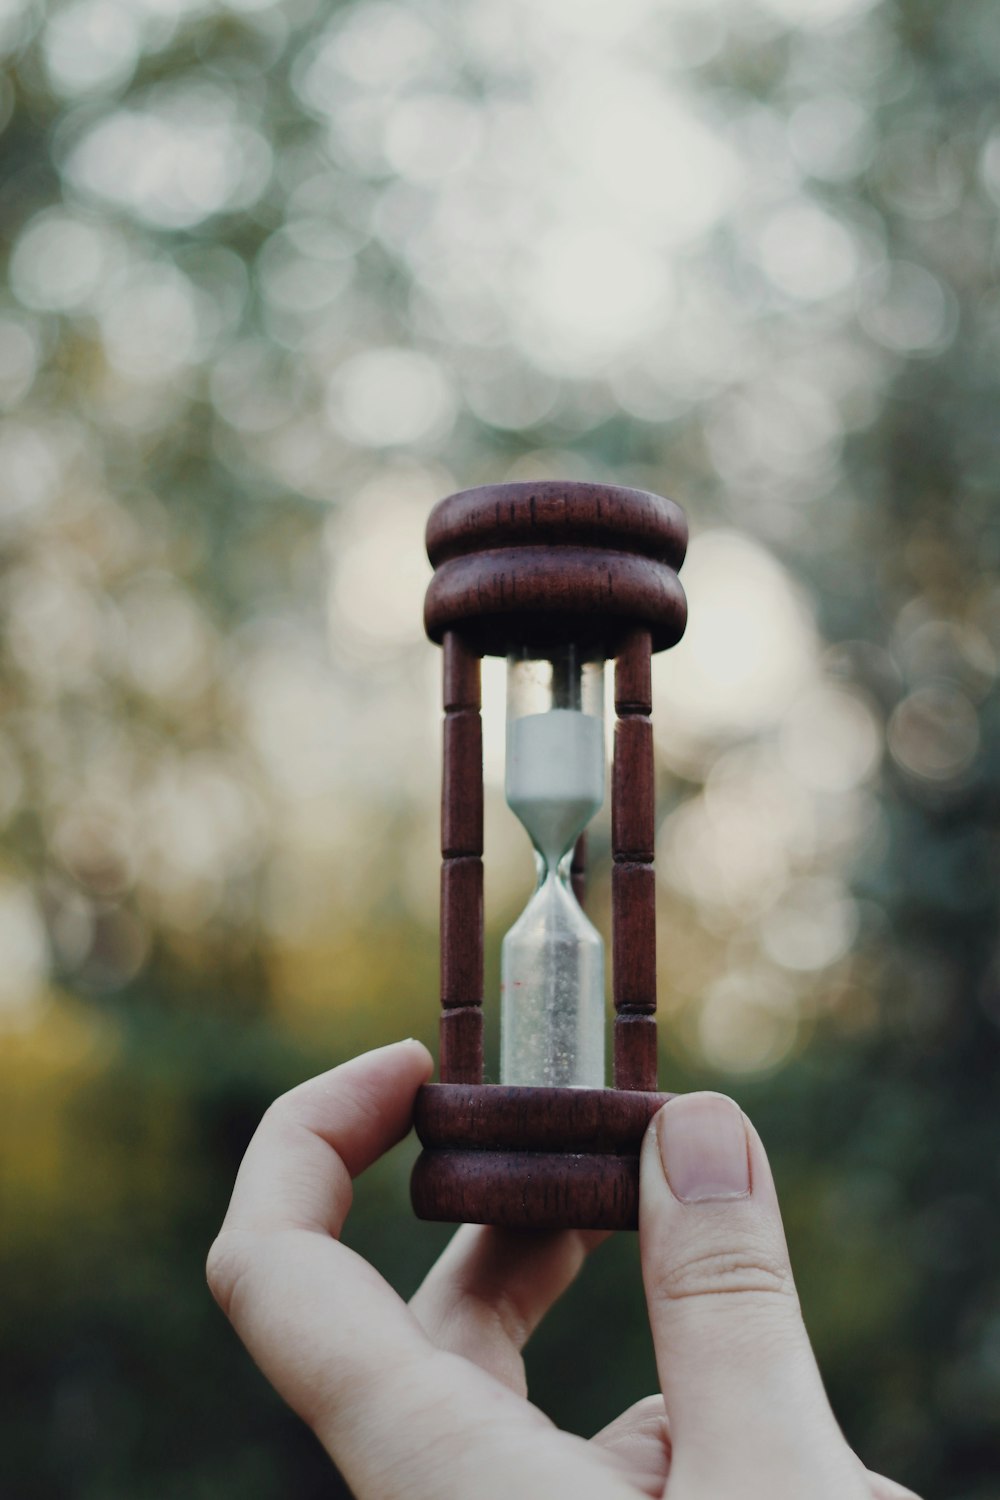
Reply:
x=558, y=870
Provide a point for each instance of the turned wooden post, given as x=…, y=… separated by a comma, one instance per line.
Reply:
x=461, y=1044
x=633, y=880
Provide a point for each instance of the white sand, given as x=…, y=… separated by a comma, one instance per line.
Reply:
x=555, y=776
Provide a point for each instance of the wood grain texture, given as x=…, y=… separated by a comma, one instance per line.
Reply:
x=633, y=675
x=633, y=953
x=633, y=825
x=514, y=1117
x=462, y=674
x=633, y=880
x=531, y=1158
x=578, y=869
x=517, y=595
x=636, y=1053
x=529, y=1190
x=462, y=784
x=462, y=931
x=461, y=1044
x=557, y=512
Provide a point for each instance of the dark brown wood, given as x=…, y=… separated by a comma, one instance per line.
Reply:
x=520, y=595
x=531, y=1158
x=527, y=1190
x=560, y=513
x=462, y=674
x=633, y=675
x=509, y=1117
x=633, y=954
x=461, y=1044
x=462, y=788
x=636, y=1060
x=578, y=869
x=633, y=826
x=633, y=881
x=462, y=931
x=461, y=1052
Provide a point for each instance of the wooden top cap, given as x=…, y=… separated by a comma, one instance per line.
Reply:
x=539, y=564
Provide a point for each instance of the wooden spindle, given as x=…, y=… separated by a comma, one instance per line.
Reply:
x=461, y=1050
x=633, y=883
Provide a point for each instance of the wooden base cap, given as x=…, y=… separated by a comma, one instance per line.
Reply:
x=527, y=1190
x=530, y=1158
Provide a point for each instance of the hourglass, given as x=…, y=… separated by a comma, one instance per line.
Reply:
x=559, y=579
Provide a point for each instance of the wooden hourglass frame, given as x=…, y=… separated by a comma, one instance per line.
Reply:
x=521, y=565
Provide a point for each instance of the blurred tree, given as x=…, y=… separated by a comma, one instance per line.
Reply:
x=276, y=279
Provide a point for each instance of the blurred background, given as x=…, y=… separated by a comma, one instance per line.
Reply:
x=277, y=277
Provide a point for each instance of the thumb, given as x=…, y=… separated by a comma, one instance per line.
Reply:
x=747, y=1410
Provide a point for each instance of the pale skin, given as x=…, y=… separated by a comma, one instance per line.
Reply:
x=428, y=1401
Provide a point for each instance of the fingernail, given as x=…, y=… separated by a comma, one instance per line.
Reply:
x=703, y=1148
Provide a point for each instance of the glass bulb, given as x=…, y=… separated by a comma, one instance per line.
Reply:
x=552, y=960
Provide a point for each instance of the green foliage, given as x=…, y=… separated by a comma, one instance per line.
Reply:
x=276, y=279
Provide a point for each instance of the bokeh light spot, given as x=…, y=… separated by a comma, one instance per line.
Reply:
x=92, y=44
x=831, y=136
x=587, y=293
x=749, y=647
x=813, y=925
x=57, y=261
x=747, y=1022
x=379, y=568
x=151, y=327
x=807, y=253
x=186, y=157
x=430, y=136
x=385, y=398
x=381, y=45
x=934, y=732
x=19, y=356
x=830, y=739
x=908, y=310
x=25, y=950
x=660, y=168
x=736, y=844
x=810, y=14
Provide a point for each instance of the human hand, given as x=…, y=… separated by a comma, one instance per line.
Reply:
x=428, y=1402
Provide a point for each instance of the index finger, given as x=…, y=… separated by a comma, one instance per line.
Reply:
x=400, y=1417
x=314, y=1140
x=317, y=1318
